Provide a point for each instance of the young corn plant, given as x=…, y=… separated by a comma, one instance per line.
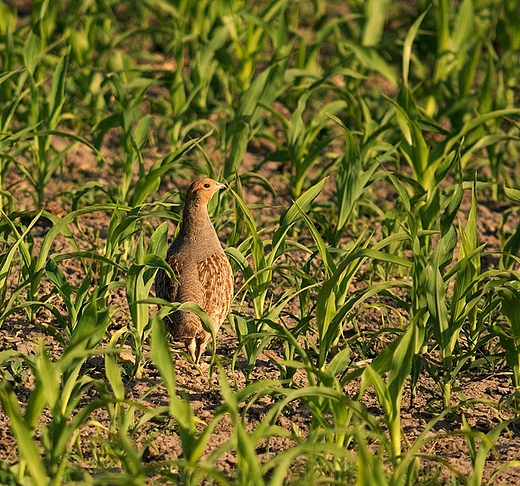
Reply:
x=60, y=386
x=431, y=166
x=396, y=361
x=13, y=141
x=308, y=136
x=470, y=282
x=123, y=434
x=33, y=262
x=135, y=129
x=334, y=300
x=464, y=51
x=437, y=311
x=428, y=312
x=458, y=52
x=479, y=447
x=266, y=256
x=353, y=179
x=509, y=335
x=248, y=118
x=46, y=112
x=78, y=303
x=510, y=243
x=38, y=263
x=119, y=249
x=14, y=243
x=194, y=442
x=139, y=281
x=248, y=31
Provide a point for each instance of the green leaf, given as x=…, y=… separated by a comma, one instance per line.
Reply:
x=512, y=194
x=27, y=447
x=373, y=61
x=302, y=204
x=375, y=15
x=33, y=48
x=408, y=44
x=57, y=94
x=113, y=374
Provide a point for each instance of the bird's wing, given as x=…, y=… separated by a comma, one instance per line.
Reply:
x=217, y=281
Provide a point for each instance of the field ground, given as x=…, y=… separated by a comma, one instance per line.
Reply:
x=372, y=220
x=202, y=389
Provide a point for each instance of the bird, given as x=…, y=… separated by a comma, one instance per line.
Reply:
x=203, y=272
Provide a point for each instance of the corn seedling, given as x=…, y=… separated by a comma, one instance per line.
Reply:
x=372, y=150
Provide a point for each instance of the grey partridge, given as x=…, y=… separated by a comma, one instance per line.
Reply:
x=203, y=272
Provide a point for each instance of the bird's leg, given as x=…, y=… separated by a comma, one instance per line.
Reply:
x=196, y=347
x=191, y=346
x=200, y=348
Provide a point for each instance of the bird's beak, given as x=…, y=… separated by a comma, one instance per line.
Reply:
x=221, y=186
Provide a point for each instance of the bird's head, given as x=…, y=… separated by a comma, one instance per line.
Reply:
x=202, y=190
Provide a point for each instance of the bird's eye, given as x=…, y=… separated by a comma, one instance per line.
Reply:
x=207, y=185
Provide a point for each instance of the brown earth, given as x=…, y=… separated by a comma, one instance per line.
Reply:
x=202, y=388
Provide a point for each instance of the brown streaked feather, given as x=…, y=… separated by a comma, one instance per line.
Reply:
x=216, y=278
x=212, y=289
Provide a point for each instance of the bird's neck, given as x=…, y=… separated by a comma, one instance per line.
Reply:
x=196, y=224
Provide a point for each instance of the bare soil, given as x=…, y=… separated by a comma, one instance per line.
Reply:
x=203, y=389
